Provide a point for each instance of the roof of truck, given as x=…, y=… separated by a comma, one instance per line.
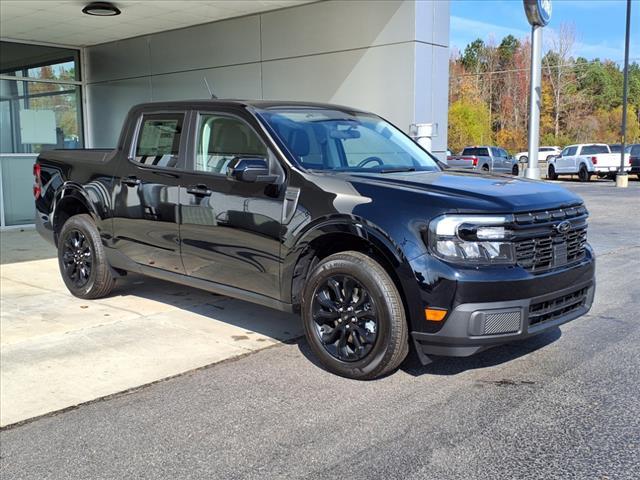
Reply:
x=263, y=104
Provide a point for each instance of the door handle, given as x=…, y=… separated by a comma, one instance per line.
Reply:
x=199, y=190
x=131, y=181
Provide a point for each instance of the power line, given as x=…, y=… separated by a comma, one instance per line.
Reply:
x=515, y=70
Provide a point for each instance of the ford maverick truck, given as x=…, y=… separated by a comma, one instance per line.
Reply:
x=323, y=210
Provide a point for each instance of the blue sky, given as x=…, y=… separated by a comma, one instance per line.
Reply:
x=599, y=24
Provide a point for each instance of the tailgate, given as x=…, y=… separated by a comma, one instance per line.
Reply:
x=608, y=160
x=462, y=161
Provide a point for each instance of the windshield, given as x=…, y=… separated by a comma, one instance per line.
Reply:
x=327, y=139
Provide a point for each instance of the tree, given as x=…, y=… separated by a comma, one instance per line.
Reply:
x=557, y=64
x=469, y=124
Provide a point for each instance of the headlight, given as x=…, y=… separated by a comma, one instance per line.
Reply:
x=472, y=239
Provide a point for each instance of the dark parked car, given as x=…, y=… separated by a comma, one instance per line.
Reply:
x=325, y=210
x=634, y=153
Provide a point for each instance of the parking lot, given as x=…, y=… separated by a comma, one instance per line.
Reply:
x=561, y=405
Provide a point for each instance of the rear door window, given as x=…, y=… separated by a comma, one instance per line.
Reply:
x=159, y=138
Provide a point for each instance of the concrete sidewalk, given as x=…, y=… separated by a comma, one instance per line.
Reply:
x=59, y=351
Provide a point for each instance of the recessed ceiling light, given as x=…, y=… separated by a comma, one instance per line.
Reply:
x=101, y=9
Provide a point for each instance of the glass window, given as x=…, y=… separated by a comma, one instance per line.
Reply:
x=159, y=140
x=635, y=150
x=476, y=151
x=221, y=139
x=326, y=139
x=39, y=62
x=40, y=98
x=569, y=151
x=615, y=148
x=594, y=149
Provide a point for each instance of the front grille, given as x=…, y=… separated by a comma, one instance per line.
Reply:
x=540, y=246
x=557, y=307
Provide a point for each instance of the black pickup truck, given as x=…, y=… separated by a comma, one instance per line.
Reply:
x=325, y=210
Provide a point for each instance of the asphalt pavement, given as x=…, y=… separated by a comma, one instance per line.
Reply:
x=565, y=404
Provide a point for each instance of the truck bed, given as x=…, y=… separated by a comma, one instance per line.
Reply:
x=86, y=155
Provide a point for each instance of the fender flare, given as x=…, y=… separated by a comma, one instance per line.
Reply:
x=70, y=191
x=297, y=262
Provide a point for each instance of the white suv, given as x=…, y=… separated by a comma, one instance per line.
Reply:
x=544, y=153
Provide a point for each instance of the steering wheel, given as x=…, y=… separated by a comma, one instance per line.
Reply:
x=369, y=160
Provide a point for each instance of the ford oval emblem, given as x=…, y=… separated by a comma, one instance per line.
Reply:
x=563, y=227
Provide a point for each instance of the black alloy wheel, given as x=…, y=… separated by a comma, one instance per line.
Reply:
x=82, y=260
x=353, y=316
x=77, y=258
x=345, y=318
x=583, y=174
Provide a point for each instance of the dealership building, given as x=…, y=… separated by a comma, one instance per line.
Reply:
x=68, y=77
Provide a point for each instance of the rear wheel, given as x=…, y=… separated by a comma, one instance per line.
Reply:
x=523, y=159
x=82, y=260
x=485, y=168
x=583, y=174
x=354, y=318
x=551, y=173
x=515, y=170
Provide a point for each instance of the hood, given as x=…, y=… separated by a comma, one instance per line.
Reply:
x=472, y=191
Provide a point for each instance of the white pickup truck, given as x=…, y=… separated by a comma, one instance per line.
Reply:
x=586, y=160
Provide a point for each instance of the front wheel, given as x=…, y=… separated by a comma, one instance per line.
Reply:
x=354, y=318
x=551, y=173
x=515, y=170
x=583, y=174
x=82, y=260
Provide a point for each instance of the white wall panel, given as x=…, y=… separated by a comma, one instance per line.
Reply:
x=335, y=25
x=109, y=103
x=223, y=43
x=241, y=81
x=118, y=60
x=378, y=79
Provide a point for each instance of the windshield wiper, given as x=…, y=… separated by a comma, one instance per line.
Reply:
x=397, y=170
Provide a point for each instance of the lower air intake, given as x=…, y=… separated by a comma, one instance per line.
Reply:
x=503, y=322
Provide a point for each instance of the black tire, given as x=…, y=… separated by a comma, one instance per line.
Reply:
x=82, y=260
x=485, y=168
x=638, y=176
x=380, y=328
x=515, y=170
x=523, y=159
x=583, y=174
x=551, y=173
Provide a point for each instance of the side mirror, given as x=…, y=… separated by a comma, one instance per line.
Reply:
x=250, y=169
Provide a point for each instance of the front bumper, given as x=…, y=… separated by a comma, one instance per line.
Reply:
x=490, y=308
x=473, y=327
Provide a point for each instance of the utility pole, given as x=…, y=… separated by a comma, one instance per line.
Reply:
x=622, y=179
x=538, y=14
